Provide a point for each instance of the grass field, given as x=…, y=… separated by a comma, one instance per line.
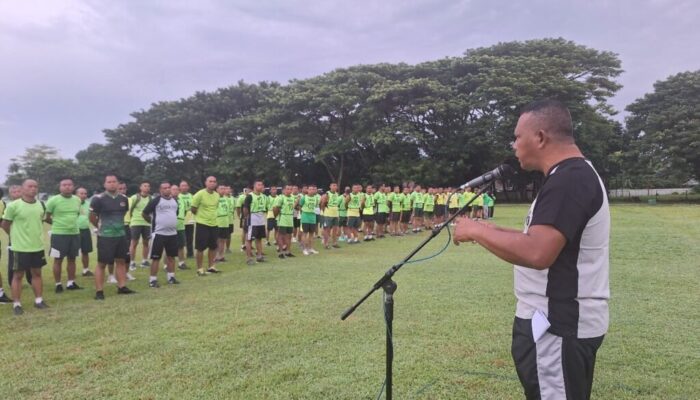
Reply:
x=273, y=331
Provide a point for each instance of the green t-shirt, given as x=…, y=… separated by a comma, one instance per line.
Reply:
x=308, y=209
x=84, y=217
x=396, y=201
x=406, y=202
x=380, y=199
x=222, y=213
x=231, y=209
x=136, y=205
x=417, y=199
x=428, y=202
x=286, y=206
x=466, y=197
x=27, y=230
x=185, y=201
x=207, y=205
x=369, y=205
x=64, y=214
x=271, y=200
x=181, y=213
x=342, y=207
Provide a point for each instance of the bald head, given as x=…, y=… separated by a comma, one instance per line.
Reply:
x=550, y=116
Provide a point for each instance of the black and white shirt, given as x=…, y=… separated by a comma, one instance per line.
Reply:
x=163, y=215
x=573, y=292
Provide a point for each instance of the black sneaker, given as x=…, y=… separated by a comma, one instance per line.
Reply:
x=73, y=286
x=41, y=305
x=59, y=288
x=88, y=273
x=125, y=290
x=280, y=255
x=182, y=267
x=17, y=310
x=173, y=281
x=213, y=270
x=4, y=299
x=153, y=284
x=99, y=295
x=289, y=255
x=336, y=246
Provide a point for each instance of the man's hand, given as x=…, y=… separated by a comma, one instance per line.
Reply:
x=465, y=229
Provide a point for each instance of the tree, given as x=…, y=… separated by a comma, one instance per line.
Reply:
x=43, y=164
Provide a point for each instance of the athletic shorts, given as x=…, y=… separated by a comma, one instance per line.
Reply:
x=297, y=222
x=285, y=230
x=24, y=261
x=395, y=216
x=428, y=214
x=453, y=210
x=205, y=237
x=271, y=224
x=181, y=239
x=439, y=210
x=112, y=248
x=223, y=233
x=66, y=245
x=354, y=222
x=85, y=241
x=318, y=218
x=255, y=232
x=568, y=361
x=143, y=231
x=381, y=218
x=308, y=228
x=368, y=217
x=127, y=233
x=418, y=212
x=342, y=221
x=163, y=242
x=405, y=217
x=329, y=222
x=464, y=212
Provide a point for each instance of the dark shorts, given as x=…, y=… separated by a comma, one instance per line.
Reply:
x=230, y=228
x=255, y=232
x=112, y=248
x=465, y=212
x=418, y=212
x=271, y=224
x=308, y=228
x=285, y=230
x=406, y=217
x=205, y=237
x=453, y=210
x=181, y=239
x=569, y=363
x=24, y=261
x=297, y=222
x=85, y=241
x=428, y=214
x=140, y=231
x=381, y=218
x=353, y=222
x=127, y=233
x=329, y=222
x=163, y=242
x=224, y=233
x=368, y=218
x=395, y=216
x=439, y=210
x=342, y=221
x=66, y=245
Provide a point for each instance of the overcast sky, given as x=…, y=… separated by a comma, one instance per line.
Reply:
x=71, y=68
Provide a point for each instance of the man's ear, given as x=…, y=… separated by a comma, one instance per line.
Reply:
x=541, y=138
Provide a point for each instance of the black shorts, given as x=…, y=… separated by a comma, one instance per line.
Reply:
x=285, y=230
x=181, y=239
x=224, y=233
x=67, y=246
x=85, y=241
x=381, y=218
x=368, y=218
x=308, y=228
x=24, y=261
x=112, y=248
x=395, y=216
x=569, y=362
x=342, y=221
x=163, y=242
x=143, y=231
x=453, y=210
x=330, y=222
x=428, y=214
x=439, y=210
x=127, y=233
x=255, y=232
x=418, y=212
x=297, y=222
x=405, y=217
x=271, y=224
x=205, y=237
x=353, y=222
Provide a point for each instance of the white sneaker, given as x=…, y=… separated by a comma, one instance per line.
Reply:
x=111, y=279
x=313, y=251
x=294, y=240
x=132, y=266
x=306, y=252
x=130, y=277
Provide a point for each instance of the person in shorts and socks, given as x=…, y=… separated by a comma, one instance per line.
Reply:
x=162, y=213
x=62, y=212
x=205, y=204
x=255, y=213
x=85, y=232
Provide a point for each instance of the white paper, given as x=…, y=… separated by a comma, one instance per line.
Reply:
x=53, y=253
x=540, y=324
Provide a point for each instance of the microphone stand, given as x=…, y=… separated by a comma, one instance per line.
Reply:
x=389, y=287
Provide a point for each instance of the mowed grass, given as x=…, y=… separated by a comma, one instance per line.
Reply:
x=273, y=331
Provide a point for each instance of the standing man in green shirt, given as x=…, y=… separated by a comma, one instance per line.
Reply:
x=284, y=210
x=429, y=208
x=186, y=199
x=205, y=204
x=140, y=228
x=271, y=220
x=417, y=200
x=231, y=216
x=368, y=213
x=85, y=232
x=395, y=200
x=3, y=297
x=23, y=220
x=330, y=203
x=354, y=202
x=255, y=214
x=62, y=212
x=239, y=211
x=181, y=227
x=14, y=193
x=222, y=220
x=406, y=209
x=308, y=204
x=380, y=199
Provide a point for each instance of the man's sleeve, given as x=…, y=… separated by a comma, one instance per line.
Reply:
x=95, y=205
x=196, y=199
x=9, y=214
x=151, y=206
x=248, y=201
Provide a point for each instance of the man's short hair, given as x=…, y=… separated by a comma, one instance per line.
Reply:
x=554, y=114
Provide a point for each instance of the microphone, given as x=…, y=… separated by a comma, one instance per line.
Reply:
x=502, y=171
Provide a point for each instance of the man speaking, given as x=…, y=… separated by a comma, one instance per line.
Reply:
x=561, y=259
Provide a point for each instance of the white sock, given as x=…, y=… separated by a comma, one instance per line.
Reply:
x=70, y=283
x=2, y=292
x=17, y=304
x=152, y=278
x=38, y=300
x=181, y=263
x=111, y=277
x=58, y=283
x=171, y=275
x=86, y=270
